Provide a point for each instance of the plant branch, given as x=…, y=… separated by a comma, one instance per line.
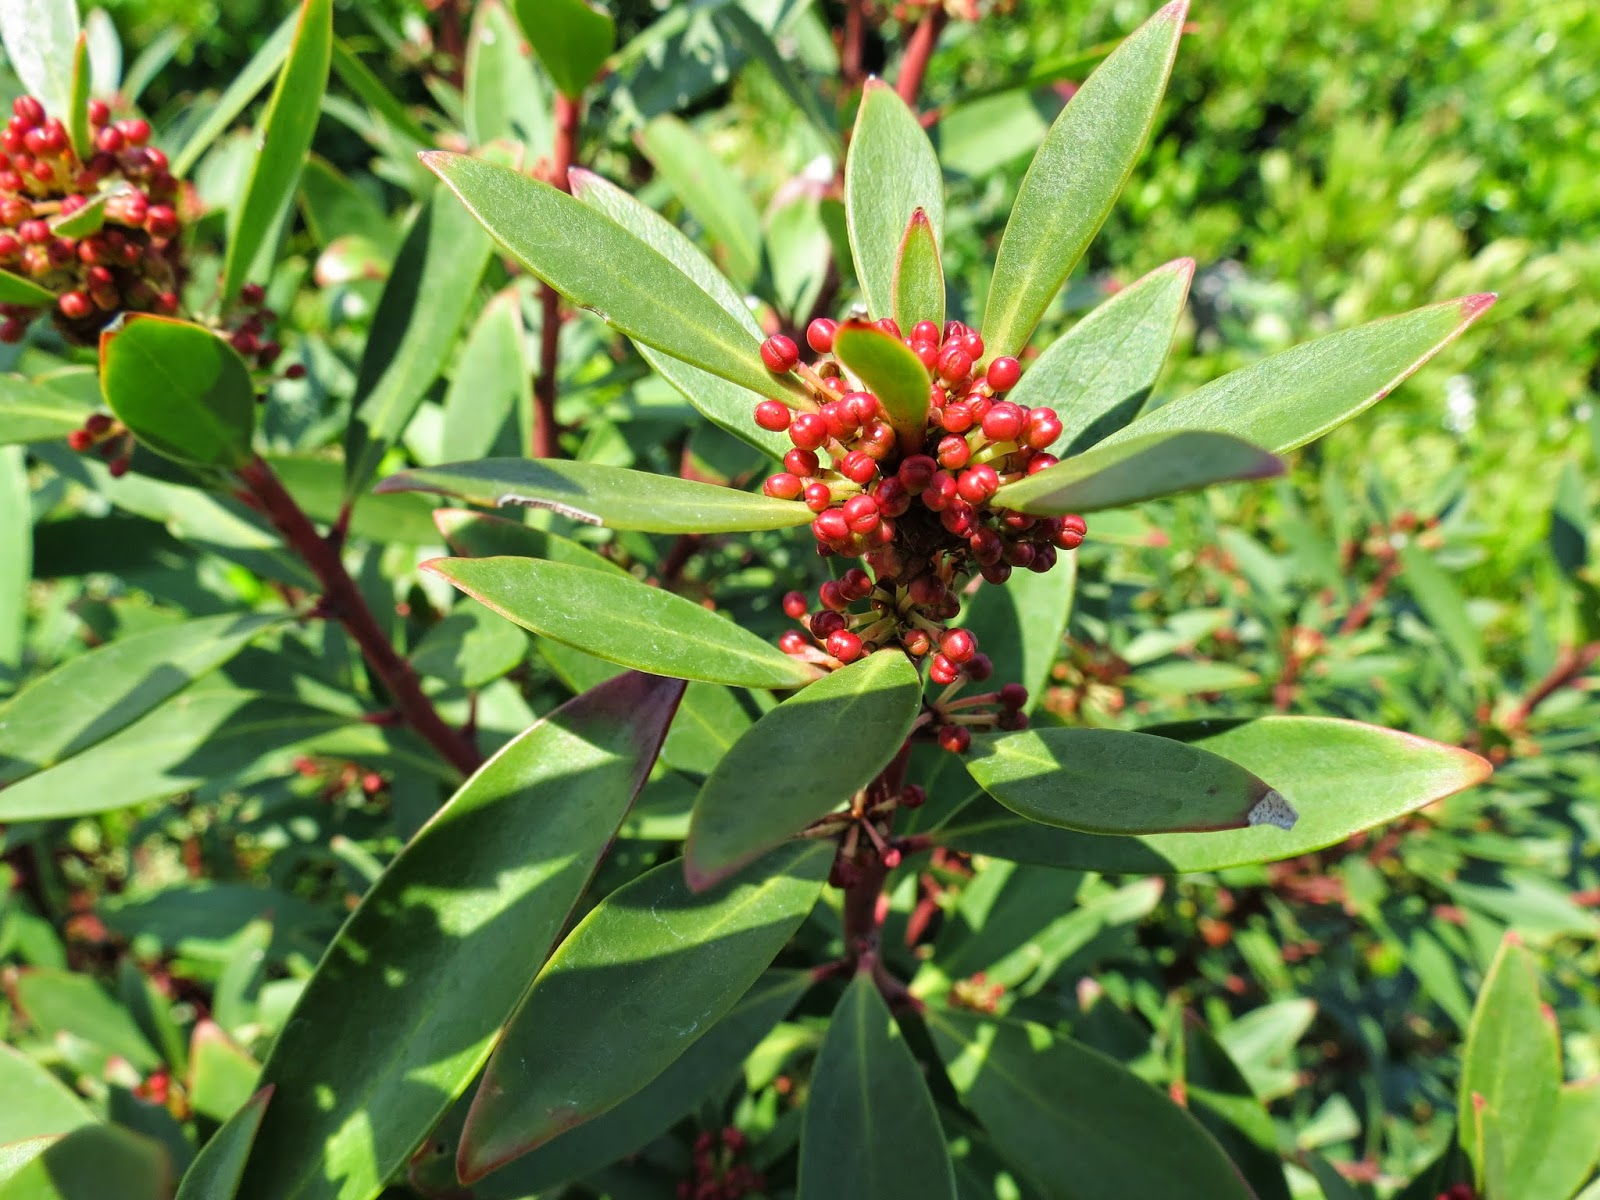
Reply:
x=862, y=928
x=1569, y=667
x=1358, y=616
x=914, y=68
x=851, y=72
x=569, y=120
x=342, y=600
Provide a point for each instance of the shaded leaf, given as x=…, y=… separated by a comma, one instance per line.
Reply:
x=218, y=1168
x=478, y=535
x=571, y=37
x=1020, y=623
x=490, y=400
x=890, y=173
x=90, y=1163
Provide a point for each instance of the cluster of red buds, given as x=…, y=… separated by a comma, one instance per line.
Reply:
x=920, y=517
x=248, y=332
x=99, y=232
x=108, y=438
x=718, y=1173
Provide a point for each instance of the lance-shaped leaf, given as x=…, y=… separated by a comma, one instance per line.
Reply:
x=870, y=1125
x=713, y=195
x=1216, y=1091
x=596, y=494
x=90, y=1162
x=1074, y=1120
x=571, y=37
x=1099, y=373
x=425, y=301
x=39, y=36
x=14, y=289
x=648, y=971
x=218, y=1168
x=478, y=535
x=37, y=1103
x=800, y=761
x=1115, y=475
x=287, y=128
x=405, y=1005
x=1109, y=781
x=220, y=113
x=78, y=106
x=490, y=399
x=1340, y=777
x=1295, y=397
x=599, y=265
x=1075, y=178
x=181, y=389
x=890, y=172
x=1020, y=623
x=507, y=96
x=887, y=367
x=918, y=276
x=619, y=619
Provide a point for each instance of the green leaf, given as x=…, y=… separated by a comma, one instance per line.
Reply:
x=1443, y=605
x=181, y=389
x=469, y=648
x=1217, y=1093
x=286, y=131
x=430, y=290
x=246, y=84
x=1339, y=776
x=713, y=195
x=90, y=1163
x=599, y=265
x=1074, y=1120
x=1020, y=624
x=405, y=1005
x=1099, y=373
x=218, y=1168
x=506, y=96
x=1572, y=1148
x=35, y=412
x=78, y=109
x=616, y=497
x=651, y=968
x=621, y=620
x=87, y=220
x=801, y=760
x=222, y=1076
x=405, y=132
x=887, y=367
x=571, y=38
x=14, y=289
x=918, y=276
x=92, y=696
x=39, y=36
x=1109, y=781
x=1127, y=472
x=1075, y=178
x=870, y=1125
x=890, y=173
x=490, y=399
x=478, y=535
x=37, y=1103
x=1295, y=397
x=16, y=566
x=60, y=1002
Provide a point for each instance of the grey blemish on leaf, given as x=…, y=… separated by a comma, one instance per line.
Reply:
x=555, y=506
x=1273, y=809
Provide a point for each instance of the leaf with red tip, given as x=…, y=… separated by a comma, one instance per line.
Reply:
x=1117, y=475
x=406, y=1003
x=918, y=276
x=1075, y=178
x=217, y=1169
x=648, y=971
x=889, y=370
x=1295, y=397
x=890, y=173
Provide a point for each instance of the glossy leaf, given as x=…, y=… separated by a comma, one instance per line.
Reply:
x=429, y=293
x=37, y=1103
x=1020, y=624
x=1339, y=776
x=405, y=1005
x=918, y=276
x=92, y=696
x=599, y=265
x=1295, y=397
x=887, y=367
x=490, y=399
x=712, y=194
x=90, y=1163
x=870, y=1125
x=1076, y=1122
x=890, y=172
x=286, y=131
x=572, y=38
x=1144, y=468
x=181, y=389
x=218, y=1168
x=616, y=497
x=506, y=95
x=14, y=289
x=651, y=968
x=478, y=535
x=621, y=620
x=221, y=113
x=1109, y=781
x=800, y=761
x=39, y=36
x=1075, y=178
x=1099, y=373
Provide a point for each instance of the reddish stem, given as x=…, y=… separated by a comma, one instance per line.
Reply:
x=569, y=120
x=1569, y=667
x=1357, y=616
x=908, y=85
x=342, y=599
x=862, y=929
x=850, y=56
x=452, y=39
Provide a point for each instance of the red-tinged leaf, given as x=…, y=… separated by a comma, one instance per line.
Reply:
x=918, y=276
x=886, y=367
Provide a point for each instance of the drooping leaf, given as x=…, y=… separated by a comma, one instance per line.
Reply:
x=286, y=131
x=890, y=172
x=490, y=399
x=405, y=1005
x=181, y=389
x=1075, y=1121
x=90, y=1163
x=14, y=289
x=506, y=96
x=1339, y=776
x=599, y=265
x=1126, y=472
x=572, y=38
x=888, y=369
x=1075, y=178
x=39, y=37
x=619, y=619
x=651, y=968
x=799, y=761
x=37, y=1103
x=1020, y=624
x=616, y=497
x=1109, y=781
x=1099, y=373
x=870, y=1126
x=713, y=195
x=1295, y=397
x=218, y=1168
x=220, y=114
x=918, y=276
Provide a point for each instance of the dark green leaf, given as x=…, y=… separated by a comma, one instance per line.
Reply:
x=651, y=968
x=1020, y=623
x=181, y=389
x=219, y=1166
x=37, y=1103
x=918, y=276
x=887, y=367
x=1219, y=1096
x=14, y=289
x=1144, y=468
x=571, y=38
x=870, y=1125
x=90, y=1163
x=405, y=1005
x=1075, y=178
x=712, y=194
x=221, y=113
x=800, y=761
